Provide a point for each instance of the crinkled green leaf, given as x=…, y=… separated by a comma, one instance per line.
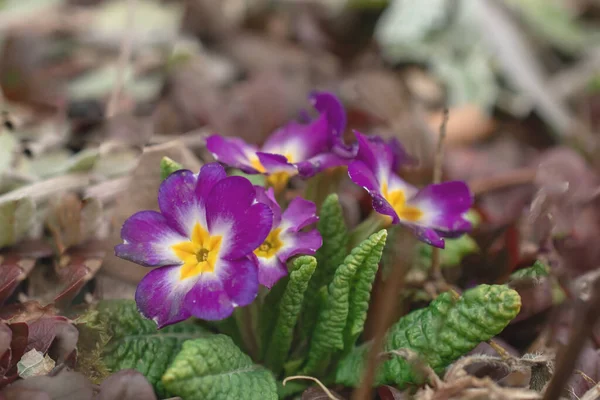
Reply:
x=328, y=335
x=440, y=333
x=16, y=218
x=213, y=368
x=360, y=292
x=288, y=312
x=168, y=166
x=333, y=229
x=537, y=270
x=136, y=343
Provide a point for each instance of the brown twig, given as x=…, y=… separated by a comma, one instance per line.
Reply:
x=581, y=331
x=385, y=305
x=124, y=56
x=437, y=178
x=515, y=177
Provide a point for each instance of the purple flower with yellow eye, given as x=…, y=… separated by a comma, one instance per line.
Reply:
x=286, y=238
x=433, y=212
x=302, y=149
x=208, y=226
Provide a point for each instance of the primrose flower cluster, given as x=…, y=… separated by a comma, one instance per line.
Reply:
x=218, y=237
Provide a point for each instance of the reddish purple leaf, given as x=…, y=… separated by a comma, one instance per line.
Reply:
x=64, y=385
x=10, y=276
x=316, y=393
x=64, y=346
x=20, y=393
x=42, y=332
x=81, y=268
x=5, y=352
x=391, y=393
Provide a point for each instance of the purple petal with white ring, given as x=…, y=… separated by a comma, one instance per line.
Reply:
x=267, y=196
x=274, y=163
x=147, y=239
x=270, y=270
x=240, y=280
x=233, y=152
x=297, y=243
x=160, y=296
x=299, y=142
x=209, y=176
x=177, y=201
x=208, y=300
x=230, y=212
x=445, y=205
x=299, y=214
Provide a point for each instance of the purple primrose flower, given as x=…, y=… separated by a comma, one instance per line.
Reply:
x=434, y=212
x=302, y=149
x=202, y=239
x=286, y=238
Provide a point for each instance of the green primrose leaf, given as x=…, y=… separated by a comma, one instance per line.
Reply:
x=213, y=368
x=136, y=343
x=360, y=292
x=440, y=333
x=328, y=335
x=167, y=167
x=537, y=270
x=333, y=229
x=289, y=310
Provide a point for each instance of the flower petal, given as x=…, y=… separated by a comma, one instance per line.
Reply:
x=320, y=162
x=267, y=196
x=208, y=300
x=160, y=296
x=429, y=236
x=444, y=206
x=300, y=213
x=376, y=154
x=148, y=239
x=208, y=177
x=230, y=212
x=270, y=270
x=299, y=142
x=328, y=104
x=240, y=280
x=364, y=176
x=306, y=243
x=233, y=152
x=177, y=201
x=276, y=163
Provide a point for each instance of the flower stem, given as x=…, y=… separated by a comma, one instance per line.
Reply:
x=373, y=223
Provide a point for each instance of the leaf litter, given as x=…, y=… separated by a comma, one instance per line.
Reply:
x=71, y=174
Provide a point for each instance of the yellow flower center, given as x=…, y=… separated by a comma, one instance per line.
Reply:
x=200, y=254
x=277, y=180
x=397, y=200
x=271, y=245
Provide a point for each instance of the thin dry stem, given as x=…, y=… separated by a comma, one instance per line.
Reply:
x=437, y=178
x=581, y=331
x=124, y=56
x=318, y=382
x=383, y=319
